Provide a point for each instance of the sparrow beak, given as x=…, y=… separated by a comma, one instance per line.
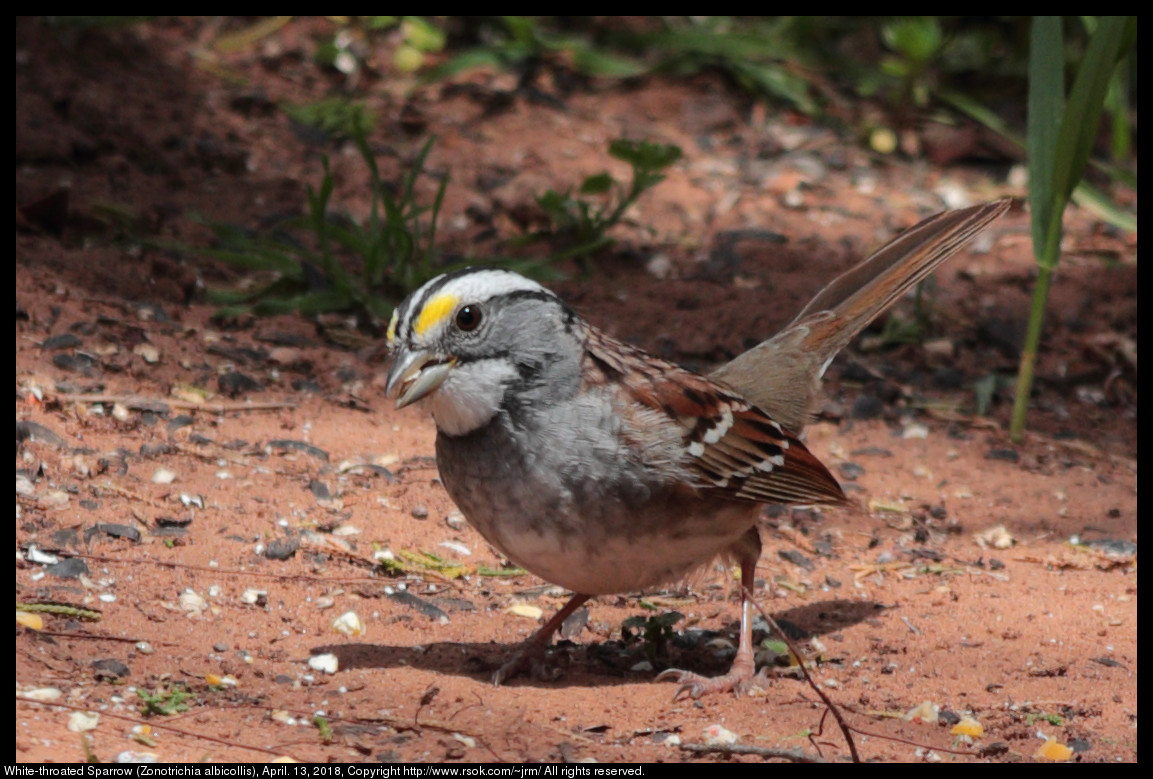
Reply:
x=416, y=374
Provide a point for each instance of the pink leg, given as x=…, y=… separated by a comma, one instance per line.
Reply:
x=531, y=652
x=742, y=674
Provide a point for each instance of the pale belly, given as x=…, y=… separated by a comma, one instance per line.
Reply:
x=593, y=544
x=591, y=522
x=610, y=564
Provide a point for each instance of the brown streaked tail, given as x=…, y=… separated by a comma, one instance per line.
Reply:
x=782, y=375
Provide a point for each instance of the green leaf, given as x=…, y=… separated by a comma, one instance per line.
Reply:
x=522, y=28
x=422, y=35
x=775, y=81
x=984, y=390
x=596, y=185
x=917, y=38
x=335, y=117
x=645, y=155
x=380, y=22
x=555, y=204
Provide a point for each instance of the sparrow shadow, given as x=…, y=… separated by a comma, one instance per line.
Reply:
x=597, y=663
x=566, y=664
x=827, y=616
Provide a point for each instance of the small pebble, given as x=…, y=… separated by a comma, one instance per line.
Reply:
x=717, y=735
x=926, y=712
x=191, y=602
x=326, y=663
x=34, y=555
x=83, y=721
x=282, y=716
x=128, y=757
x=525, y=610
x=850, y=471
x=149, y=353
x=659, y=266
x=457, y=547
x=349, y=624
x=44, y=694
x=254, y=597
x=996, y=537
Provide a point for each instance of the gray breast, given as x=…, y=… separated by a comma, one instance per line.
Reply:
x=576, y=504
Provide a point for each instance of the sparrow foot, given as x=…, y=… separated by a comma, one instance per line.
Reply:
x=740, y=680
x=529, y=661
x=530, y=657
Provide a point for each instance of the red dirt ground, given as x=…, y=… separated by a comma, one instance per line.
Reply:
x=912, y=596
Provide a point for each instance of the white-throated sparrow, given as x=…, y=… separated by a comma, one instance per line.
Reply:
x=604, y=469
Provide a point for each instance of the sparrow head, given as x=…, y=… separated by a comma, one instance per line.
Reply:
x=472, y=342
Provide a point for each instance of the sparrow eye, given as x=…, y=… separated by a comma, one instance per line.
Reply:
x=468, y=318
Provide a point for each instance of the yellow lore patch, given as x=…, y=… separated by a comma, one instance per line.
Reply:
x=390, y=335
x=435, y=311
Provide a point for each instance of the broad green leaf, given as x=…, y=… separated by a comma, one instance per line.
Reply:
x=597, y=185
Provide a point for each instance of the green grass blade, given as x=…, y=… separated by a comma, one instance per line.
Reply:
x=1098, y=203
x=1046, y=104
x=1087, y=100
x=587, y=59
x=436, y=204
x=469, y=60
x=313, y=303
x=257, y=259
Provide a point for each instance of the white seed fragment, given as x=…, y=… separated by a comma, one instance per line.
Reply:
x=349, y=623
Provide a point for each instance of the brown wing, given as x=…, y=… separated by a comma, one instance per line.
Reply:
x=733, y=447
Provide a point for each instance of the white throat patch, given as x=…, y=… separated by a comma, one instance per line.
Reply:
x=470, y=397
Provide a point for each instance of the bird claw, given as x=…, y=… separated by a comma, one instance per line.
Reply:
x=528, y=661
x=506, y=671
x=519, y=663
